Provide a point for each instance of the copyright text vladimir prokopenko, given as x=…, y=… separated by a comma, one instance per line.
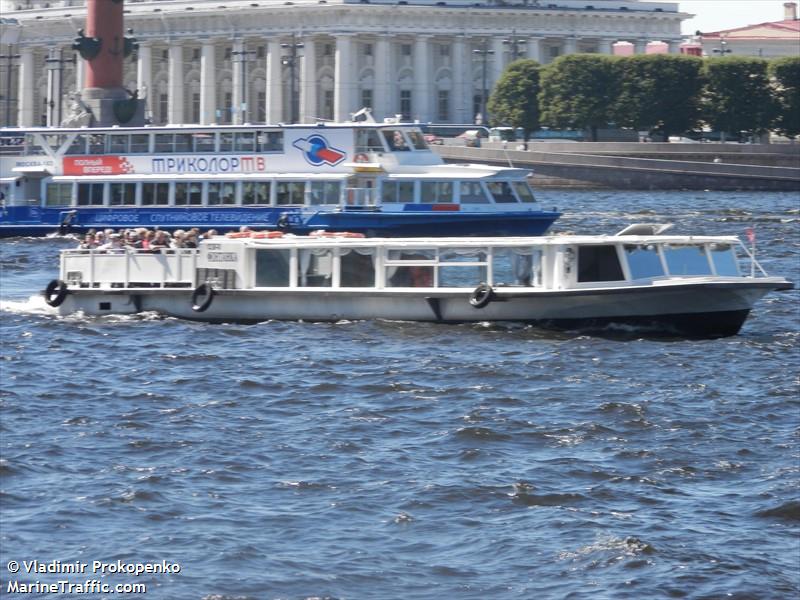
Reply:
x=83, y=577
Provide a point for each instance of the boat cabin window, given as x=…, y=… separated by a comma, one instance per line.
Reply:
x=724, y=258
x=272, y=268
x=316, y=267
x=244, y=141
x=140, y=143
x=155, y=194
x=256, y=192
x=221, y=192
x=436, y=192
x=397, y=192
x=11, y=144
x=501, y=191
x=368, y=140
x=410, y=267
x=97, y=143
x=119, y=144
x=599, y=263
x=290, y=192
x=643, y=261
x=78, y=145
x=59, y=194
x=517, y=267
x=524, y=191
x=122, y=194
x=472, y=193
x=417, y=140
x=90, y=194
x=686, y=260
x=357, y=267
x=462, y=267
x=188, y=193
x=270, y=141
x=203, y=142
x=325, y=192
x=395, y=140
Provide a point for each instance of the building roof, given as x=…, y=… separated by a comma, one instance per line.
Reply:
x=788, y=29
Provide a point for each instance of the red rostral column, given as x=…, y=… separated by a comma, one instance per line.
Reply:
x=104, y=22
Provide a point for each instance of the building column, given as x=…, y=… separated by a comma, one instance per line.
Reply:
x=274, y=96
x=343, y=78
x=175, y=99
x=423, y=86
x=570, y=45
x=144, y=76
x=533, y=49
x=640, y=46
x=208, y=85
x=308, y=81
x=498, y=61
x=381, y=94
x=26, y=111
x=674, y=46
x=606, y=45
x=462, y=98
x=238, y=57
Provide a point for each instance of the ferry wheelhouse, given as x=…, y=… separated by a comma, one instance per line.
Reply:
x=376, y=179
x=685, y=285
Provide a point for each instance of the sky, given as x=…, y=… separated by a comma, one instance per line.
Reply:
x=713, y=15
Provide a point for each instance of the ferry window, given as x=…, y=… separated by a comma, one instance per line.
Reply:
x=183, y=142
x=270, y=141
x=203, y=142
x=724, y=258
x=413, y=275
x=140, y=143
x=90, y=194
x=118, y=144
x=395, y=140
x=32, y=147
x=472, y=193
x=78, y=145
x=272, y=268
x=181, y=193
x=460, y=267
x=163, y=143
x=244, y=141
x=97, y=143
x=357, y=268
x=155, y=194
x=397, y=191
x=316, y=268
x=598, y=263
x=325, y=192
x=643, y=262
x=517, y=266
x=436, y=192
x=59, y=194
x=524, y=191
x=255, y=192
x=368, y=140
x=417, y=140
x=686, y=260
x=122, y=194
x=291, y=192
x=195, y=193
x=501, y=191
x=221, y=192
x=226, y=141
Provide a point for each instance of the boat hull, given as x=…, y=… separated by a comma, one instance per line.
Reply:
x=36, y=221
x=701, y=310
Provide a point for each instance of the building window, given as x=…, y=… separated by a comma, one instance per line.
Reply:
x=405, y=49
x=261, y=52
x=367, y=49
x=165, y=55
x=228, y=52
x=327, y=50
x=195, y=107
x=163, y=108
x=366, y=98
x=444, y=50
x=261, y=107
x=443, y=106
x=327, y=105
x=405, y=104
x=227, y=108
x=195, y=53
x=554, y=52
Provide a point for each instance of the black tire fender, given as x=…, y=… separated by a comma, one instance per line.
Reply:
x=55, y=292
x=481, y=296
x=205, y=292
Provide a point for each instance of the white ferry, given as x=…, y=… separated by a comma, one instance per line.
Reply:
x=377, y=179
x=687, y=285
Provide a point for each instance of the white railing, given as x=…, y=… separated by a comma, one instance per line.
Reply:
x=100, y=268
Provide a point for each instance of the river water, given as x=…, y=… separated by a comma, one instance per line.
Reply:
x=394, y=460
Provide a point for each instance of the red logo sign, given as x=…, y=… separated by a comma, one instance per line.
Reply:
x=97, y=165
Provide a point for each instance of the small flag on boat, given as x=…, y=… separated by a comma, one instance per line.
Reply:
x=751, y=235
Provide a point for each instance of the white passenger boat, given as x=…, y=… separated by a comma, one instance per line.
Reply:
x=688, y=285
x=379, y=179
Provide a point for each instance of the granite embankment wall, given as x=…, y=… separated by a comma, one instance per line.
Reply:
x=623, y=165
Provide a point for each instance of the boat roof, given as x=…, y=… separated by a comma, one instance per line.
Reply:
x=194, y=128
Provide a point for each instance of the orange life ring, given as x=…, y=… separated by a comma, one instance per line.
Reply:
x=267, y=235
x=234, y=235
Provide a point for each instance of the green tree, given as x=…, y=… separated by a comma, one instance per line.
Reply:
x=514, y=101
x=659, y=91
x=578, y=90
x=738, y=96
x=785, y=74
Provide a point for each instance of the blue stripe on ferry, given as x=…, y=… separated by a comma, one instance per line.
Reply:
x=448, y=207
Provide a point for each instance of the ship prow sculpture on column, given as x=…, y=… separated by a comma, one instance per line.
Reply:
x=104, y=46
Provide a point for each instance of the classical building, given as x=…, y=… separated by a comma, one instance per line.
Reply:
x=765, y=40
x=232, y=61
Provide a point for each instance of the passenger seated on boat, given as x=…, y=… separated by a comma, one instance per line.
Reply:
x=178, y=239
x=190, y=241
x=132, y=240
x=114, y=245
x=160, y=241
x=88, y=242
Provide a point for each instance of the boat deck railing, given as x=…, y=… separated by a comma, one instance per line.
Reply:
x=130, y=268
